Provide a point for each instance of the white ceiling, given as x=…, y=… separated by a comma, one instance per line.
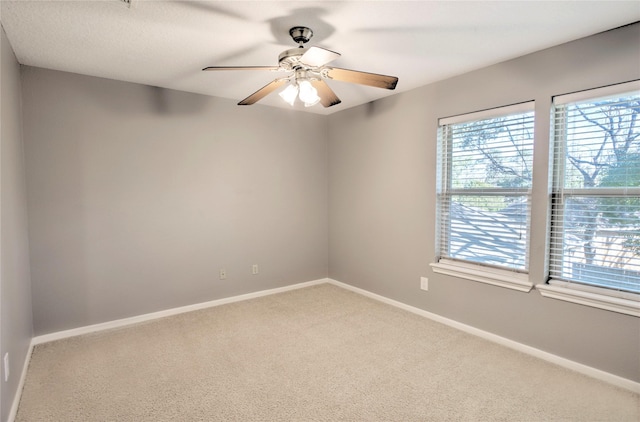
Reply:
x=167, y=43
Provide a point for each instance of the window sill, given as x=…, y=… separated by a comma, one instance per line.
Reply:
x=624, y=303
x=494, y=276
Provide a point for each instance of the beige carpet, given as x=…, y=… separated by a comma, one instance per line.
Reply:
x=315, y=354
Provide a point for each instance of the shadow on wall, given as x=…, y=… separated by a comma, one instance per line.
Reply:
x=168, y=101
x=377, y=107
x=155, y=100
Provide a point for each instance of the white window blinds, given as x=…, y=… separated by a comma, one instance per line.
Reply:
x=485, y=170
x=595, y=223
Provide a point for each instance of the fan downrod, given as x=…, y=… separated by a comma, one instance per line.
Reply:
x=301, y=34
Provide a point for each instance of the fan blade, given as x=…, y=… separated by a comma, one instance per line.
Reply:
x=241, y=68
x=328, y=98
x=318, y=56
x=263, y=92
x=363, y=78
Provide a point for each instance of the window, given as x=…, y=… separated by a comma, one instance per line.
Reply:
x=485, y=169
x=595, y=221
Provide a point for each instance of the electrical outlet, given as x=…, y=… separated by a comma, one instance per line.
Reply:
x=424, y=283
x=6, y=367
x=254, y=269
x=223, y=274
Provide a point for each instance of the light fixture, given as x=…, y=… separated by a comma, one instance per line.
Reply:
x=308, y=94
x=300, y=87
x=290, y=93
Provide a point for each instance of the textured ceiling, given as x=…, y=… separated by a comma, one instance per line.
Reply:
x=167, y=43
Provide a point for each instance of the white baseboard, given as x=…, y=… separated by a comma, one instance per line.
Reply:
x=23, y=376
x=169, y=312
x=549, y=357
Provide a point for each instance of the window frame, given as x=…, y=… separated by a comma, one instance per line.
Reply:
x=571, y=290
x=511, y=278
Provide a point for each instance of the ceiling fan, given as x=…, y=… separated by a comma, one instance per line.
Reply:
x=307, y=69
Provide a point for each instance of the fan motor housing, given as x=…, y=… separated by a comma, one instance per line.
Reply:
x=301, y=34
x=290, y=59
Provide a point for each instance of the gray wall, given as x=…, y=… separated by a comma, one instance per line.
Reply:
x=382, y=160
x=138, y=196
x=15, y=287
